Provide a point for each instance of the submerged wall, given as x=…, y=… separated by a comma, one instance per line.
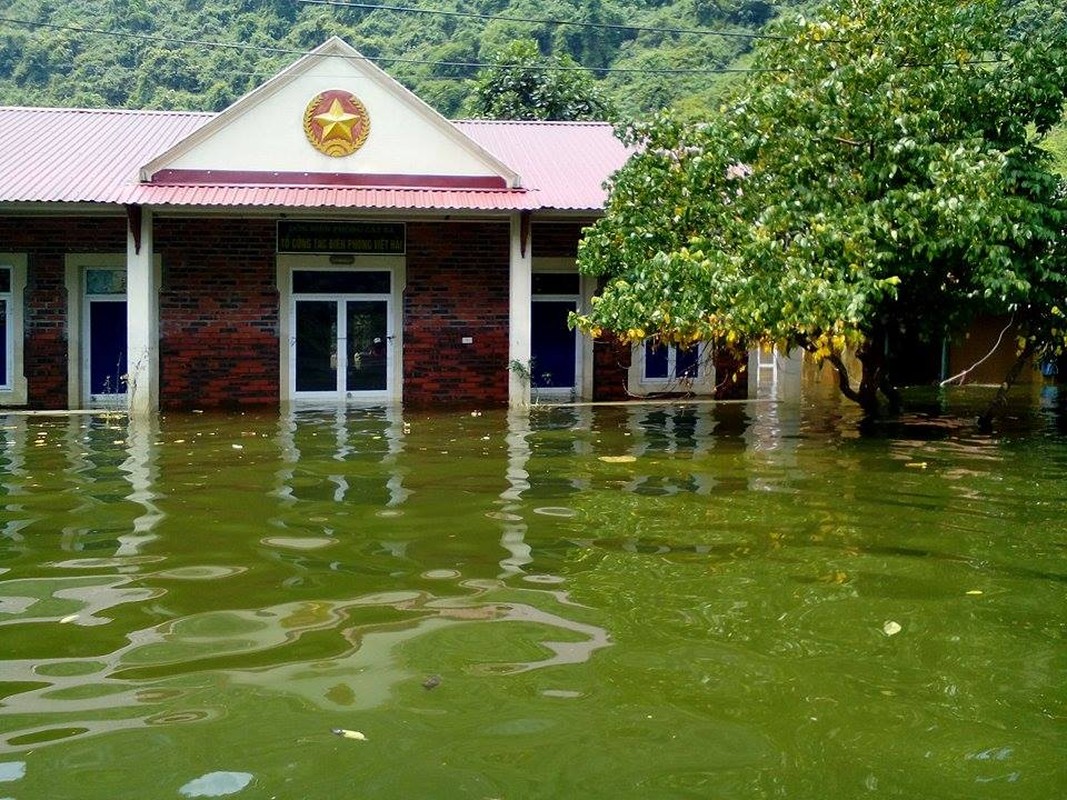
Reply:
x=218, y=312
x=457, y=288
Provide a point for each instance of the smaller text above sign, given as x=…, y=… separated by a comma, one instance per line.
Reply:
x=314, y=236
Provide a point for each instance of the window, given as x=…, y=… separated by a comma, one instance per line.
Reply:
x=12, y=288
x=668, y=368
x=671, y=362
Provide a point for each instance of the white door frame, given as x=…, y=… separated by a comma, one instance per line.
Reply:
x=287, y=264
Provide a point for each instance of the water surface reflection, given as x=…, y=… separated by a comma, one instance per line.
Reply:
x=708, y=585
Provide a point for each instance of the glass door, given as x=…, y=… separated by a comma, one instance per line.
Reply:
x=342, y=348
x=316, y=346
x=367, y=328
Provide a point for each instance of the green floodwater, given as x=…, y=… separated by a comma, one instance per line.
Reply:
x=712, y=601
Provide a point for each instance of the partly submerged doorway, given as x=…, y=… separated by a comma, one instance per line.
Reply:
x=555, y=348
x=104, y=364
x=342, y=347
x=343, y=344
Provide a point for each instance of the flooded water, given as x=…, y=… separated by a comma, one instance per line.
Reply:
x=713, y=601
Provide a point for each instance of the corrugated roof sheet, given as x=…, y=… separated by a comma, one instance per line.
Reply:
x=69, y=155
x=50, y=155
x=566, y=162
x=332, y=197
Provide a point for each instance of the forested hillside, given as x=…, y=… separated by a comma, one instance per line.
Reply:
x=644, y=55
x=203, y=54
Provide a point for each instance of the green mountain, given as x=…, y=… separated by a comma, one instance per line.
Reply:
x=203, y=54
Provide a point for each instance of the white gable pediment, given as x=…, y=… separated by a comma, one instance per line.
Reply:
x=264, y=132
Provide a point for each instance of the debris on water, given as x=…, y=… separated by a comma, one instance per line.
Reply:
x=68, y=618
x=975, y=591
x=344, y=733
x=618, y=459
x=431, y=682
x=891, y=628
x=916, y=464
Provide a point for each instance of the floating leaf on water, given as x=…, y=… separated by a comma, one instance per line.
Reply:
x=618, y=459
x=975, y=591
x=344, y=733
x=891, y=628
x=432, y=682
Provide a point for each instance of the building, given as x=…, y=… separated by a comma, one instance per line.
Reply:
x=329, y=237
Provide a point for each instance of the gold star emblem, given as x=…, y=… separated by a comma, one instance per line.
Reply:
x=336, y=123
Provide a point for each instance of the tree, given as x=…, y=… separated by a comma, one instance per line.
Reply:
x=523, y=84
x=878, y=173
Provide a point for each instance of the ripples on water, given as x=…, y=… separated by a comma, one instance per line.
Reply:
x=703, y=601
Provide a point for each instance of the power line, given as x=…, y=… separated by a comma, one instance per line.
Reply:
x=472, y=65
x=545, y=20
x=390, y=59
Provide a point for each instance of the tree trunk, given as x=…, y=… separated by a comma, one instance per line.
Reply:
x=872, y=357
x=1000, y=399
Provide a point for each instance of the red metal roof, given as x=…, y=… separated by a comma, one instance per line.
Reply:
x=51, y=155
x=565, y=162
x=69, y=155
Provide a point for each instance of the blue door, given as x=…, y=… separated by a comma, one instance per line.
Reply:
x=553, y=345
x=107, y=350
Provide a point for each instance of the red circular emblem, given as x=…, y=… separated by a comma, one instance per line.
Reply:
x=336, y=123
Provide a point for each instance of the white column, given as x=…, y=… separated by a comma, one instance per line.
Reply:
x=142, y=319
x=520, y=317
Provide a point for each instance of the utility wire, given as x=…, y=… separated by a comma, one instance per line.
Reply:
x=546, y=21
x=474, y=65
x=390, y=59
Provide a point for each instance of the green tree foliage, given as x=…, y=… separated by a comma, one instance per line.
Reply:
x=526, y=85
x=162, y=53
x=881, y=178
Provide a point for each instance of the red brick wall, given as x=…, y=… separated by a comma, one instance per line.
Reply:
x=556, y=239
x=46, y=241
x=457, y=285
x=218, y=313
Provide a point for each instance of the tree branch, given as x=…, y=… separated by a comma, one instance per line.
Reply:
x=849, y=142
x=843, y=380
